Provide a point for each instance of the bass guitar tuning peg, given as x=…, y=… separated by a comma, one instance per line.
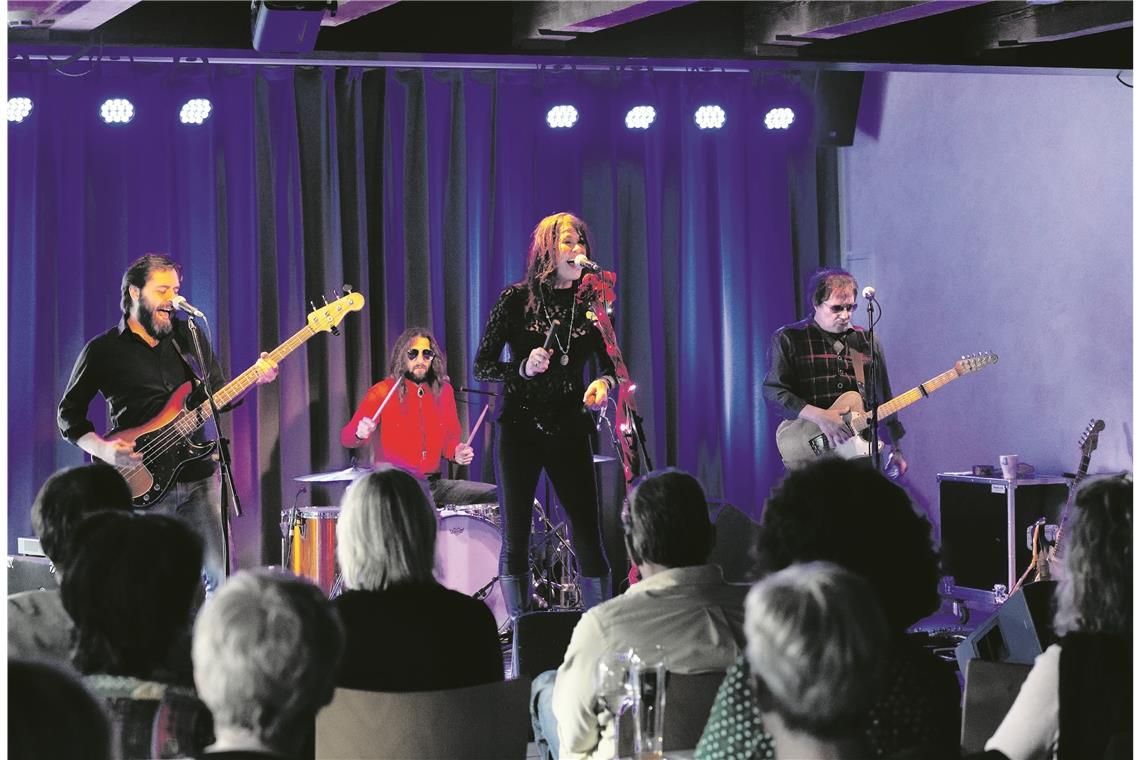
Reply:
x=346, y=289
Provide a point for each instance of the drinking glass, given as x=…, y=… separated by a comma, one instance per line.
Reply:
x=647, y=676
x=613, y=688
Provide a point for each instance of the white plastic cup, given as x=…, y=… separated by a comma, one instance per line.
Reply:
x=1008, y=466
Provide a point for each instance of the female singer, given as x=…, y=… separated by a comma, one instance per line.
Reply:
x=544, y=422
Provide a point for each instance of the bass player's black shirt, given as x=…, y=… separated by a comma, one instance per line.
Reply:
x=136, y=381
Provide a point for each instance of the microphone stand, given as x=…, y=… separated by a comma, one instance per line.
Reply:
x=872, y=381
x=223, y=450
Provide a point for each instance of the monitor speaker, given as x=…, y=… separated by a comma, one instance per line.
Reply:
x=1021, y=629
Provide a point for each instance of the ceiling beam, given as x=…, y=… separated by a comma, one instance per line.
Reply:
x=350, y=10
x=802, y=22
x=66, y=16
x=1027, y=24
x=564, y=21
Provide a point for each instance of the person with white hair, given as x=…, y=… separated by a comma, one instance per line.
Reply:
x=266, y=648
x=817, y=642
x=404, y=631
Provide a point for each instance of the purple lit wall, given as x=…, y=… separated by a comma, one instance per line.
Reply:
x=994, y=211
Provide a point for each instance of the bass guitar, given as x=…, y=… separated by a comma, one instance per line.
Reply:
x=1049, y=557
x=164, y=441
x=801, y=441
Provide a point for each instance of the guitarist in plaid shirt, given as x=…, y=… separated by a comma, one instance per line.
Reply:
x=811, y=363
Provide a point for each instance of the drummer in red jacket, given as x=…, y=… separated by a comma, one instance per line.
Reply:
x=419, y=424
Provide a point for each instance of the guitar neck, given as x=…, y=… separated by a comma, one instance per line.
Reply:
x=917, y=393
x=246, y=380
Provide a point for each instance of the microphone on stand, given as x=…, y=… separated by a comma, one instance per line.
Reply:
x=868, y=293
x=182, y=304
x=585, y=263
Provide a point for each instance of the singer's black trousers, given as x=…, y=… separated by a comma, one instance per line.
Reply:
x=569, y=463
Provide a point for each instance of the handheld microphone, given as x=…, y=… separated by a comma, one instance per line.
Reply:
x=182, y=304
x=550, y=334
x=868, y=293
x=585, y=263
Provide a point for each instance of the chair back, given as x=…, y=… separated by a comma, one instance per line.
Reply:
x=487, y=722
x=688, y=701
x=991, y=688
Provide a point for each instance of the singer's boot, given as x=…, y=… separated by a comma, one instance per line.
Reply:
x=594, y=591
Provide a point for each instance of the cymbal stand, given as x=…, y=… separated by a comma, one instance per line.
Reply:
x=563, y=589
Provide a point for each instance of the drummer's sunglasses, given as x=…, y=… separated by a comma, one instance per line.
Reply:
x=414, y=352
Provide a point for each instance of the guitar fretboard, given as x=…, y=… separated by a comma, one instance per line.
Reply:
x=191, y=420
x=904, y=400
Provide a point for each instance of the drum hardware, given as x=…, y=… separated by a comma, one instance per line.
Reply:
x=346, y=475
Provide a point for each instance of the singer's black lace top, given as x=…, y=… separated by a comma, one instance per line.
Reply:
x=551, y=401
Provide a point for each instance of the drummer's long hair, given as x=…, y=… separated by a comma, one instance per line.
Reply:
x=398, y=360
x=386, y=532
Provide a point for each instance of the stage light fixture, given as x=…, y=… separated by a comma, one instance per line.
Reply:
x=640, y=117
x=779, y=118
x=562, y=117
x=18, y=109
x=195, y=111
x=117, y=111
x=709, y=117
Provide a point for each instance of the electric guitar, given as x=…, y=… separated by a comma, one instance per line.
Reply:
x=164, y=441
x=1049, y=557
x=800, y=441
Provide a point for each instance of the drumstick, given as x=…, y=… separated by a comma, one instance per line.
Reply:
x=387, y=398
x=475, y=429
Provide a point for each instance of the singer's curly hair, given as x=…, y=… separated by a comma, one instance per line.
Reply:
x=1095, y=593
x=540, y=259
x=823, y=281
x=139, y=272
x=398, y=359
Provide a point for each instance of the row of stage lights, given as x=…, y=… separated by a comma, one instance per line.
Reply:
x=642, y=117
x=118, y=110
x=197, y=110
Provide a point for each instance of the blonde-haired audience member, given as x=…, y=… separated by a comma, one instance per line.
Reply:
x=404, y=631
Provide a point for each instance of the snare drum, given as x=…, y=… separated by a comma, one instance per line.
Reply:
x=467, y=559
x=313, y=550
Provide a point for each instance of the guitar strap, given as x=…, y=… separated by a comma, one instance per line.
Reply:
x=859, y=361
x=188, y=359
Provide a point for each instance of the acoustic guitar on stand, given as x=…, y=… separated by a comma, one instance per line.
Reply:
x=164, y=441
x=800, y=441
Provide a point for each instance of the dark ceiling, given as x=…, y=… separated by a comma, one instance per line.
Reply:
x=1067, y=35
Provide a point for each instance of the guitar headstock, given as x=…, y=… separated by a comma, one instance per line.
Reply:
x=974, y=362
x=325, y=318
x=1090, y=437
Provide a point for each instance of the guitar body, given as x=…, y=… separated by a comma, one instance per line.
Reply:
x=165, y=450
x=801, y=442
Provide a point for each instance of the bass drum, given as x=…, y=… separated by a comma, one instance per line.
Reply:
x=467, y=560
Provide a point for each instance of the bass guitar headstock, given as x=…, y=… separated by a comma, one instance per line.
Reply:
x=326, y=318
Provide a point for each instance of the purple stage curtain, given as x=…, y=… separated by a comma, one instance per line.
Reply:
x=419, y=187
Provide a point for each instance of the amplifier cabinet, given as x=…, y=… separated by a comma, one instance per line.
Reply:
x=984, y=521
